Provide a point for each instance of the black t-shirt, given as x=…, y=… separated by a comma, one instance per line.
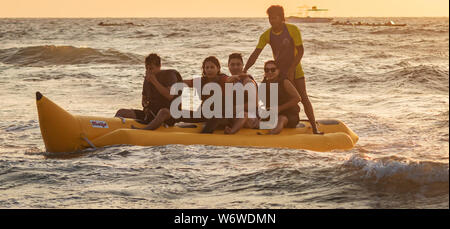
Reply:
x=157, y=101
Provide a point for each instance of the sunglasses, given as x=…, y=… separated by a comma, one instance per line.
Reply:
x=267, y=70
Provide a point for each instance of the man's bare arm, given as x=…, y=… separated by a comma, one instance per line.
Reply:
x=252, y=59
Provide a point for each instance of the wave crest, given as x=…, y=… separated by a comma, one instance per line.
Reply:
x=397, y=171
x=409, y=31
x=422, y=76
x=65, y=55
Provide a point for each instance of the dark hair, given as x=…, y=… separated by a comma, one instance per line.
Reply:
x=154, y=59
x=213, y=60
x=270, y=62
x=235, y=56
x=276, y=10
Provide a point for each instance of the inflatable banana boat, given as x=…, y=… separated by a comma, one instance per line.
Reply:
x=64, y=132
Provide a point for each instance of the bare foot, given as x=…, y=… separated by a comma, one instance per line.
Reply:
x=318, y=132
x=227, y=130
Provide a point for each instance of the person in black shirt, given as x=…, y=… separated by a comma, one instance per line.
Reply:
x=156, y=97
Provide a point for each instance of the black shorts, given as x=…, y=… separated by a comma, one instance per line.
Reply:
x=140, y=115
x=293, y=119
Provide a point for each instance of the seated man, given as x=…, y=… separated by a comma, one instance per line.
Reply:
x=236, y=66
x=156, y=97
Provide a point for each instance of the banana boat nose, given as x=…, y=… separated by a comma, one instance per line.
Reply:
x=60, y=130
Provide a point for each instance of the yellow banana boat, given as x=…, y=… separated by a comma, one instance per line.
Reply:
x=64, y=132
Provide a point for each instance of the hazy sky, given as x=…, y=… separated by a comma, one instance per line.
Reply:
x=217, y=8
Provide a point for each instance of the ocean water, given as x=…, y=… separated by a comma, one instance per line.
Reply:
x=388, y=84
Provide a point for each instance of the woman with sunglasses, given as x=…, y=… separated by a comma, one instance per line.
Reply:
x=288, y=98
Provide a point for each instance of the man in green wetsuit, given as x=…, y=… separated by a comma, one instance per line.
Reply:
x=287, y=48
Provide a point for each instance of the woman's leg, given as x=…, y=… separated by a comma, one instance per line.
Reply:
x=300, y=84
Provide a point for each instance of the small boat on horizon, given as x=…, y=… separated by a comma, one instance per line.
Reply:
x=118, y=24
x=303, y=15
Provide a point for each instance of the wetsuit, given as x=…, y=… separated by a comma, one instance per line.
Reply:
x=284, y=48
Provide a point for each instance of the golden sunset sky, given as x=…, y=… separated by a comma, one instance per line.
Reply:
x=218, y=8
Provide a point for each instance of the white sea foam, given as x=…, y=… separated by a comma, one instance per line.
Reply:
x=384, y=169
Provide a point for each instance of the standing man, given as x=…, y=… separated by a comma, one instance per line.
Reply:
x=287, y=48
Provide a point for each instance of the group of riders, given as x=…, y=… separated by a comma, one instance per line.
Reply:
x=285, y=72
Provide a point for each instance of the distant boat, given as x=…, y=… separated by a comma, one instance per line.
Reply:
x=118, y=24
x=303, y=15
x=309, y=19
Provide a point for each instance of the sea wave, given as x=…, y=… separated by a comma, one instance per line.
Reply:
x=175, y=34
x=424, y=76
x=380, y=55
x=346, y=78
x=14, y=34
x=410, y=31
x=144, y=36
x=323, y=44
x=20, y=126
x=442, y=122
x=366, y=41
x=43, y=76
x=397, y=170
x=65, y=55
